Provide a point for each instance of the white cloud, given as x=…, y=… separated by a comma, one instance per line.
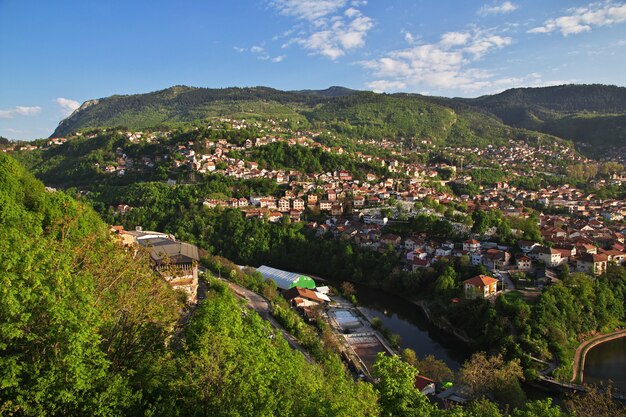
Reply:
x=67, y=105
x=20, y=111
x=335, y=39
x=454, y=38
x=278, y=58
x=256, y=49
x=583, y=19
x=335, y=26
x=444, y=65
x=239, y=49
x=310, y=10
x=506, y=7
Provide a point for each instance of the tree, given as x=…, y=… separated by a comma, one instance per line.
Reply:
x=484, y=375
x=435, y=369
x=595, y=403
x=398, y=395
x=409, y=356
x=347, y=288
x=446, y=282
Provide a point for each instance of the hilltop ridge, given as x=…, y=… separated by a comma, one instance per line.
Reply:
x=590, y=114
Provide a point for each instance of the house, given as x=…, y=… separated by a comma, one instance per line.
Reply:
x=495, y=259
x=345, y=176
x=481, y=286
x=336, y=209
x=359, y=201
x=524, y=263
x=275, y=216
x=550, y=257
x=476, y=258
x=526, y=246
x=176, y=261
x=325, y=205
x=594, y=264
x=424, y=385
x=471, y=245
x=415, y=254
x=284, y=204
x=615, y=255
x=391, y=239
x=586, y=248
x=298, y=204
x=304, y=297
x=419, y=264
x=294, y=215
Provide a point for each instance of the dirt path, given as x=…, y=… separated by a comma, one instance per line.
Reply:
x=261, y=306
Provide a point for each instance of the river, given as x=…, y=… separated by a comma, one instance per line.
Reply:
x=408, y=320
x=607, y=361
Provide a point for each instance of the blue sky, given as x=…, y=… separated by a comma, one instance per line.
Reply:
x=54, y=55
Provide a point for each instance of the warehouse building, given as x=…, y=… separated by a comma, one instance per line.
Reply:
x=285, y=280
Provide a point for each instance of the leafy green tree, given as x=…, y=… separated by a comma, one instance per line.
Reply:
x=398, y=395
x=484, y=375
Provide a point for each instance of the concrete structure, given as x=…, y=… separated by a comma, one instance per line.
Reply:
x=176, y=261
x=346, y=319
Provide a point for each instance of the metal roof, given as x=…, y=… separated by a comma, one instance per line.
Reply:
x=283, y=279
x=170, y=251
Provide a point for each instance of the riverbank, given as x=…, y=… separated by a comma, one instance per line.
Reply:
x=440, y=323
x=581, y=352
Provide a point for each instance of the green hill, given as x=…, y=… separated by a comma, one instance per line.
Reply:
x=184, y=104
x=88, y=329
x=593, y=114
x=349, y=113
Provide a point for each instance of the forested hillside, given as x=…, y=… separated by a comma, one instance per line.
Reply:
x=342, y=112
x=586, y=113
x=593, y=114
x=85, y=329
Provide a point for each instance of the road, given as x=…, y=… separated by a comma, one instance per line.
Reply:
x=262, y=306
x=508, y=282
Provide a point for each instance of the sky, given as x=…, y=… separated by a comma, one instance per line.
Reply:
x=54, y=55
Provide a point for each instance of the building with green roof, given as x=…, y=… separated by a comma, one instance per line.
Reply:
x=285, y=280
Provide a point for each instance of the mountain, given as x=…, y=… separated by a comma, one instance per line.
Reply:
x=334, y=91
x=593, y=114
x=183, y=104
x=349, y=113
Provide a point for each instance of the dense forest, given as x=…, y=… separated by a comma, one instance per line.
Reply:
x=592, y=114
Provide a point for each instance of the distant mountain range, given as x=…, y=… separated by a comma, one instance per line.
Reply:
x=592, y=114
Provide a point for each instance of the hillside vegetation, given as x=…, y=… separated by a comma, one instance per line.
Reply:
x=593, y=114
x=86, y=329
x=347, y=113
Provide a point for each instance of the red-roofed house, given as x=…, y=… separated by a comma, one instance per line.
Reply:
x=592, y=263
x=471, y=245
x=424, y=385
x=481, y=286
